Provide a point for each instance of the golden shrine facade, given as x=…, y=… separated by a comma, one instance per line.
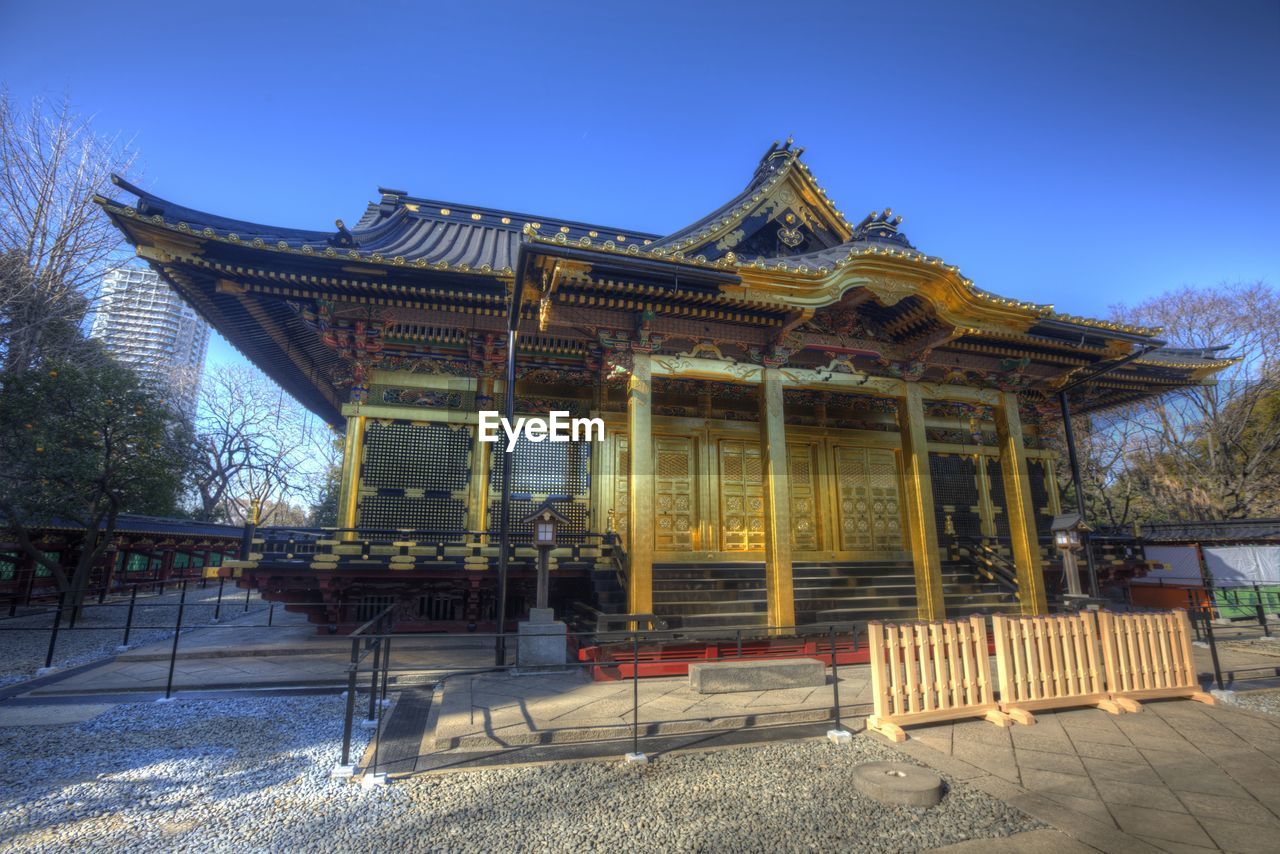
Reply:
x=807, y=418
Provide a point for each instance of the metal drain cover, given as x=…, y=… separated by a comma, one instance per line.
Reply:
x=898, y=783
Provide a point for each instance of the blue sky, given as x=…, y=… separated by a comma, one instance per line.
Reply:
x=1074, y=153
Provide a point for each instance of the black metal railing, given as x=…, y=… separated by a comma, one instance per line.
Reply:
x=987, y=561
x=827, y=642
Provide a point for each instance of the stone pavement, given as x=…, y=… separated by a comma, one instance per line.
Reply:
x=489, y=710
x=1178, y=776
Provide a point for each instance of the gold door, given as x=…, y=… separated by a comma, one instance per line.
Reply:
x=741, y=496
x=867, y=487
x=804, y=503
x=621, y=480
x=674, y=501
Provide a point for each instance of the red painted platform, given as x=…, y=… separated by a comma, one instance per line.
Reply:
x=672, y=658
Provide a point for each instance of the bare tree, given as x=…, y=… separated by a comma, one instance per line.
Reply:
x=1205, y=452
x=253, y=442
x=54, y=241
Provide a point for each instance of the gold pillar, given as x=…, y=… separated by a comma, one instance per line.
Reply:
x=640, y=481
x=922, y=527
x=349, y=497
x=777, y=502
x=1017, y=506
x=478, y=491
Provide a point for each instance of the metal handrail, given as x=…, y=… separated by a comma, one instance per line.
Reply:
x=986, y=560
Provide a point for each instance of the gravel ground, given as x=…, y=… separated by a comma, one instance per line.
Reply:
x=100, y=630
x=1259, y=701
x=252, y=775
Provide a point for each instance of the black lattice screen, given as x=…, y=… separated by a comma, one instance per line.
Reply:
x=403, y=455
x=1040, y=497
x=997, y=497
x=430, y=513
x=538, y=470
x=543, y=468
x=955, y=492
x=520, y=508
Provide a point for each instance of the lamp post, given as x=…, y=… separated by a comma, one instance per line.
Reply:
x=1068, y=535
x=546, y=524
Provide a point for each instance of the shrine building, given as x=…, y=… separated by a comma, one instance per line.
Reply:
x=808, y=418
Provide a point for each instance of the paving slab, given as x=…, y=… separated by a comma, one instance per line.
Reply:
x=1177, y=776
x=51, y=715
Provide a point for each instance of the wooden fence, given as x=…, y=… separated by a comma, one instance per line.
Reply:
x=1148, y=656
x=1049, y=663
x=928, y=672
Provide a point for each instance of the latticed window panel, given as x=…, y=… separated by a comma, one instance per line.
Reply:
x=673, y=494
x=431, y=513
x=1039, y=474
x=804, y=503
x=996, y=479
x=870, y=508
x=522, y=508
x=741, y=496
x=411, y=455
x=955, y=493
x=543, y=468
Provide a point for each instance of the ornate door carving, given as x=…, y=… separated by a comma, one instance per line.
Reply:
x=741, y=496
x=804, y=504
x=674, y=500
x=621, y=480
x=867, y=486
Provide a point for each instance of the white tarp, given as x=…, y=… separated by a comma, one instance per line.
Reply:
x=1233, y=565
x=1183, y=563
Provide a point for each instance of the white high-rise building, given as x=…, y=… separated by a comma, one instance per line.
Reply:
x=145, y=324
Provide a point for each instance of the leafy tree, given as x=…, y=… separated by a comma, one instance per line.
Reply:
x=81, y=442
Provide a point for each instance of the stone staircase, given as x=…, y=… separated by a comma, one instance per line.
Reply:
x=732, y=595
x=712, y=595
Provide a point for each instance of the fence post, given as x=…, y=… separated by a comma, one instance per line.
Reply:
x=635, y=755
x=177, y=632
x=271, y=612
x=351, y=707
x=217, y=608
x=1261, y=612
x=248, y=591
x=128, y=619
x=53, y=634
x=838, y=734
x=386, y=669
x=1213, y=649
x=373, y=676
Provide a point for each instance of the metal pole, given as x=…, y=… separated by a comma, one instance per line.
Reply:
x=351, y=701
x=128, y=617
x=271, y=611
x=217, y=608
x=177, y=632
x=1074, y=461
x=53, y=635
x=1213, y=649
x=386, y=669
x=635, y=694
x=373, y=673
x=835, y=679
x=1262, y=613
x=248, y=591
x=504, y=511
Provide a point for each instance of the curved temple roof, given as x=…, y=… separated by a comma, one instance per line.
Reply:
x=779, y=246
